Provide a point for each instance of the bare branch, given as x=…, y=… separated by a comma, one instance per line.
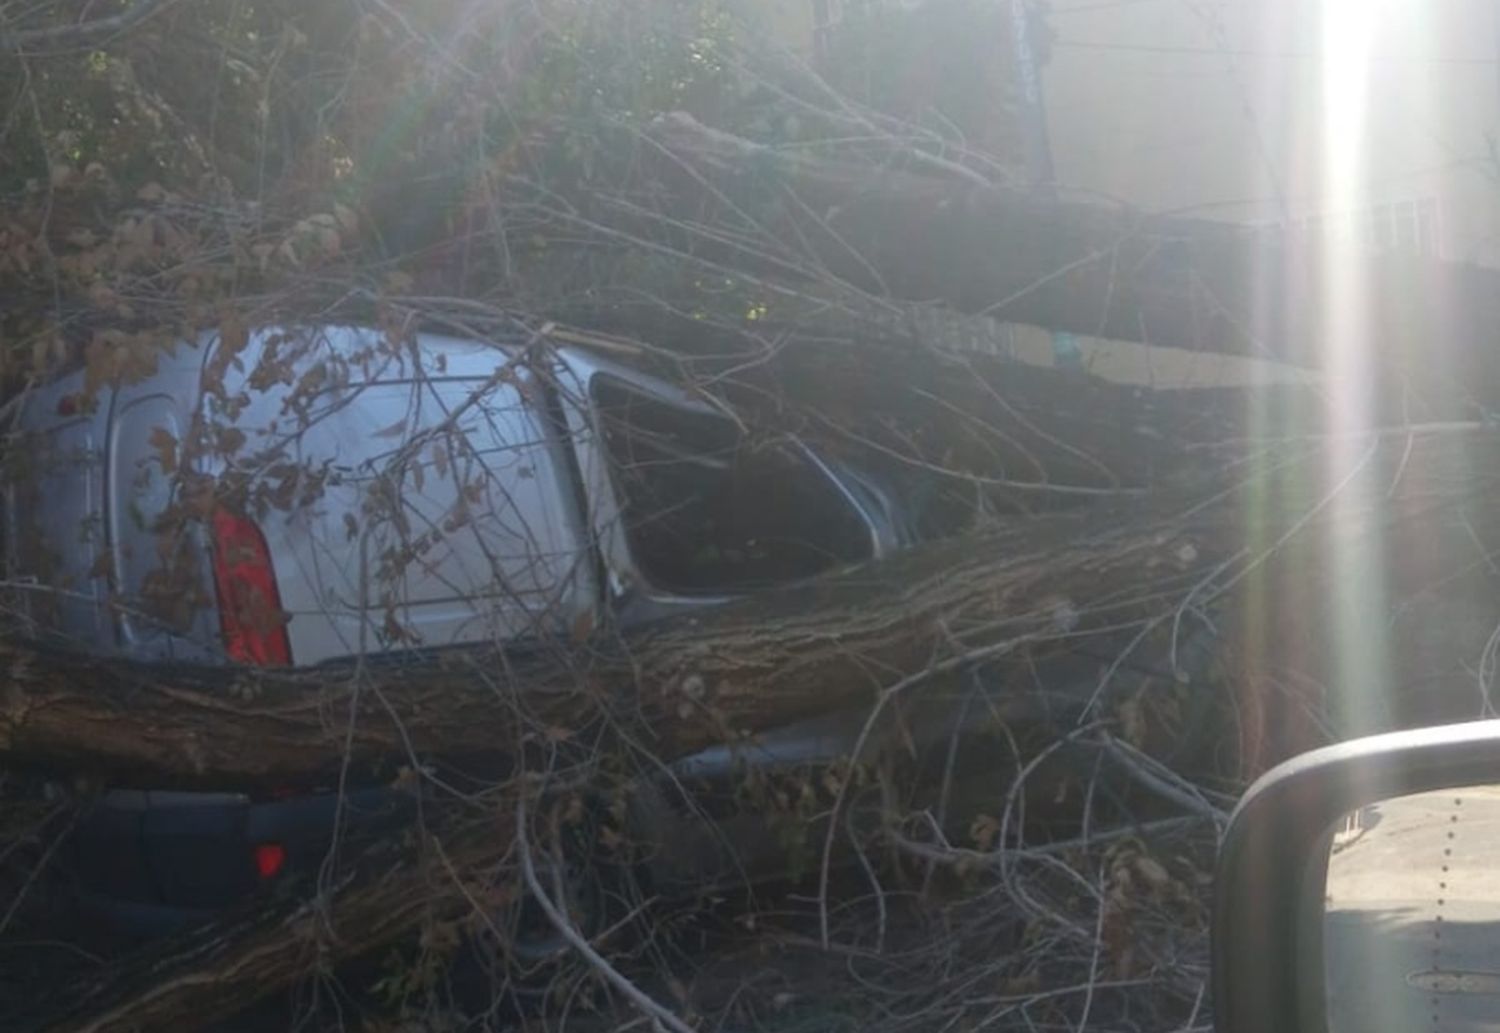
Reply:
x=85, y=34
x=576, y=940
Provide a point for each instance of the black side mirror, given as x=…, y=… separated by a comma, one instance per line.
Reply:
x=1358, y=889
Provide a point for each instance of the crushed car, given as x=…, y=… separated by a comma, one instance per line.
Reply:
x=298, y=496
x=306, y=495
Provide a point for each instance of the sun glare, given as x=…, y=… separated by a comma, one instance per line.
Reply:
x=1356, y=600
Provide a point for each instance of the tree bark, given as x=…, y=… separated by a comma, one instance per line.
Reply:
x=764, y=661
x=1254, y=561
x=686, y=683
x=1038, y=436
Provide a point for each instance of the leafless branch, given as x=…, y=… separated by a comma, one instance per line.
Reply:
x=576, y=940
x=84, y=34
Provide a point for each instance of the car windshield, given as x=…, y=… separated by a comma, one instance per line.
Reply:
x=709, y=510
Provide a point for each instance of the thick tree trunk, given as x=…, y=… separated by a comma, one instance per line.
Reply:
x=686, y=683
x=749, y=666
x=1038, y=436
x=899, y=229
x=1256, y=561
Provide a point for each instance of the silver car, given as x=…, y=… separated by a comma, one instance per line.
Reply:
x=292, y=496
x=302, y=495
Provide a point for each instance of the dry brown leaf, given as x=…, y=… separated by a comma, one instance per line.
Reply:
x=233, y=336
x=102, y=565
x=165, y=443
x=583, y=626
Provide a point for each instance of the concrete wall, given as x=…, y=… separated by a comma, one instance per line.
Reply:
x=1219, y=107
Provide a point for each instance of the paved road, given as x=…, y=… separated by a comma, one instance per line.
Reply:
x=1412, y=926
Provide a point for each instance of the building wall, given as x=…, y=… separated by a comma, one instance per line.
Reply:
x=1221, y=107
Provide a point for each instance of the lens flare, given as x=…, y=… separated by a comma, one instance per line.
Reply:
x=1356, y=590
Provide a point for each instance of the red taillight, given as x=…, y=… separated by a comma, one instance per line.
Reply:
x=269, y=858
x=249, y=605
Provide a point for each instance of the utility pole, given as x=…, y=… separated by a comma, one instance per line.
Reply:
x=1066, y=354
x=1033, y=107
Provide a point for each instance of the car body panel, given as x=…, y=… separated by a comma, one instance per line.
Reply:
x=575, y=371
x=54, y=503
x=412, y=492
x=151, y=862
x=156, y=616
x=409, y=497
x=469, y=535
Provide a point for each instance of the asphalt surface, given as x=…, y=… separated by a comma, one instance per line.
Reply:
x=1412, y=916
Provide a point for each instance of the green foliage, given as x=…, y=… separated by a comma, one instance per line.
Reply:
x=229, y=148
x=233, y=154
x=272, y=97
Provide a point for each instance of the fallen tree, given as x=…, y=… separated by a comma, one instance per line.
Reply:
x=741, y=668
x=790, y=274
x=1029, y=441
x=732, y=670
x=891, y=225
x=867, y=638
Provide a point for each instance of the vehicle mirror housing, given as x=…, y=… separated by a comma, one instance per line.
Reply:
x=1355, y=889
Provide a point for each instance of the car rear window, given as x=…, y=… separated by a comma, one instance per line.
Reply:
x=709, y=510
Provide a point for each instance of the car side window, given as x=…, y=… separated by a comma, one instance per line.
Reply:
x=709, y=510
